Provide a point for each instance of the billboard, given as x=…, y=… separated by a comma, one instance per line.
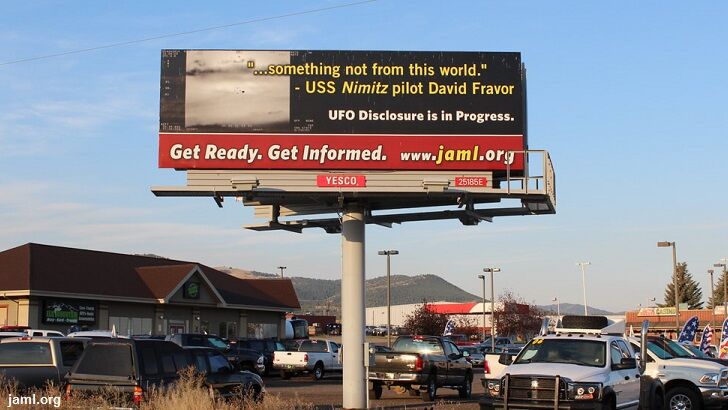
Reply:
x=341, y=110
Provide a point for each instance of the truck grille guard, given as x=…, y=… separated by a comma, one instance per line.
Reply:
x=533, y=389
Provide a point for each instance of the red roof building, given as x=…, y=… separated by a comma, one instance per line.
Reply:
x=56, y=288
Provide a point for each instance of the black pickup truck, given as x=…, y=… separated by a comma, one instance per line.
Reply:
x=420, y=365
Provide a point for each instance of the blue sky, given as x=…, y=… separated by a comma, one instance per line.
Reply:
x=629, y=99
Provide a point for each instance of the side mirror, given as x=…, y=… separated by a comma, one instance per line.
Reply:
x=625, y=363
x=637, y=356
x=505, y=359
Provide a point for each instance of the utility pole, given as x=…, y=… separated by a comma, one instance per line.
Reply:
x=583, y=284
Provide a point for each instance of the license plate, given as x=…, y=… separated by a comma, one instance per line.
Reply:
x=389, y=376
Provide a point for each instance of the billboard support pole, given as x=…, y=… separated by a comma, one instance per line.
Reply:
x=352, y=307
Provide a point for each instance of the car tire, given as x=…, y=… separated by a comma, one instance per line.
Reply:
x=609, y=403
x=466, y=390
x=682, y=398
x=430, y=392
x=285, y=375
x=318, y=372
x=377, y=390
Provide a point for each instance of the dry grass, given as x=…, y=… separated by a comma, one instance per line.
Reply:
x=189, y=393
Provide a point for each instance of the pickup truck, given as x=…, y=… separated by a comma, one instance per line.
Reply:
x=689, y=382
x=586, y=364
x=420, y=365
x=33, y=361
x=313, y=356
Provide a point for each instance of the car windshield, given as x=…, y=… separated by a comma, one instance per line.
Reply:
x=216, y=342
x=417, y=345
x=695, y=350
x=671, y=347
x=659, y=350
x=580, y=352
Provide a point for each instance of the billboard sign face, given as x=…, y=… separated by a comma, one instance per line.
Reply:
x=341, y=110
x=68, y=312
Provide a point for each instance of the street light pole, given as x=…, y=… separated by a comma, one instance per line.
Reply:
x=389, y=294
x=282, y=268
x=725, y=302
x=583, y=284
x=483, y=278
x=558, y=306
x=712, y=299
x=492, y=305
x=665, y=244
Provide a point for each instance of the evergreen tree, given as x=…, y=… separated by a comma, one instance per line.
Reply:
x=689, y=293
x=717, y=299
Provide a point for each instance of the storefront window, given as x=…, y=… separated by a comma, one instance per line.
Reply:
x=229, y=330
x=262, y=330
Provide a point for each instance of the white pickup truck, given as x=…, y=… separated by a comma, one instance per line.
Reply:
x=690, y=383
x=586, y=364
x=313, y=356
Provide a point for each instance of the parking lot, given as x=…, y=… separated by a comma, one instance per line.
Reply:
x=327, y=393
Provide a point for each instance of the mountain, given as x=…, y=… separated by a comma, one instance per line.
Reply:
x=574, y=309
x=323, y=296
x=245, y=274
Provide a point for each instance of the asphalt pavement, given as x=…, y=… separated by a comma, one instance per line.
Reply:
x=328, y=393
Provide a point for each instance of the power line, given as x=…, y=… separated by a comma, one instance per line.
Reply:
x=184, y=33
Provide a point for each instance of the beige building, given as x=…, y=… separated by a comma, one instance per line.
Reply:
x=52, y=287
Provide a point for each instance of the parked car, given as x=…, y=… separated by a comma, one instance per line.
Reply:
x=421, y=365
x=13, y=328
x=690, y=383
x=97, y=334
x=586, y=364
x=134, y=366
x=461, y=340
x=313, y=356
x=43, y=333
x=33, y=361
x=475, y=355
x=266, y=347
x=4, y=335
x=379, y=349
x=221, y=375
x=241, y=358
x=333, y=329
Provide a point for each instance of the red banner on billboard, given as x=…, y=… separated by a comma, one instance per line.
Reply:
x=332, y=152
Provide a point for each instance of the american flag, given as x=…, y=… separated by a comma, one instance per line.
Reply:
x=449, y=328
x=723, y=349
x=707, y=339
x=689, y=330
